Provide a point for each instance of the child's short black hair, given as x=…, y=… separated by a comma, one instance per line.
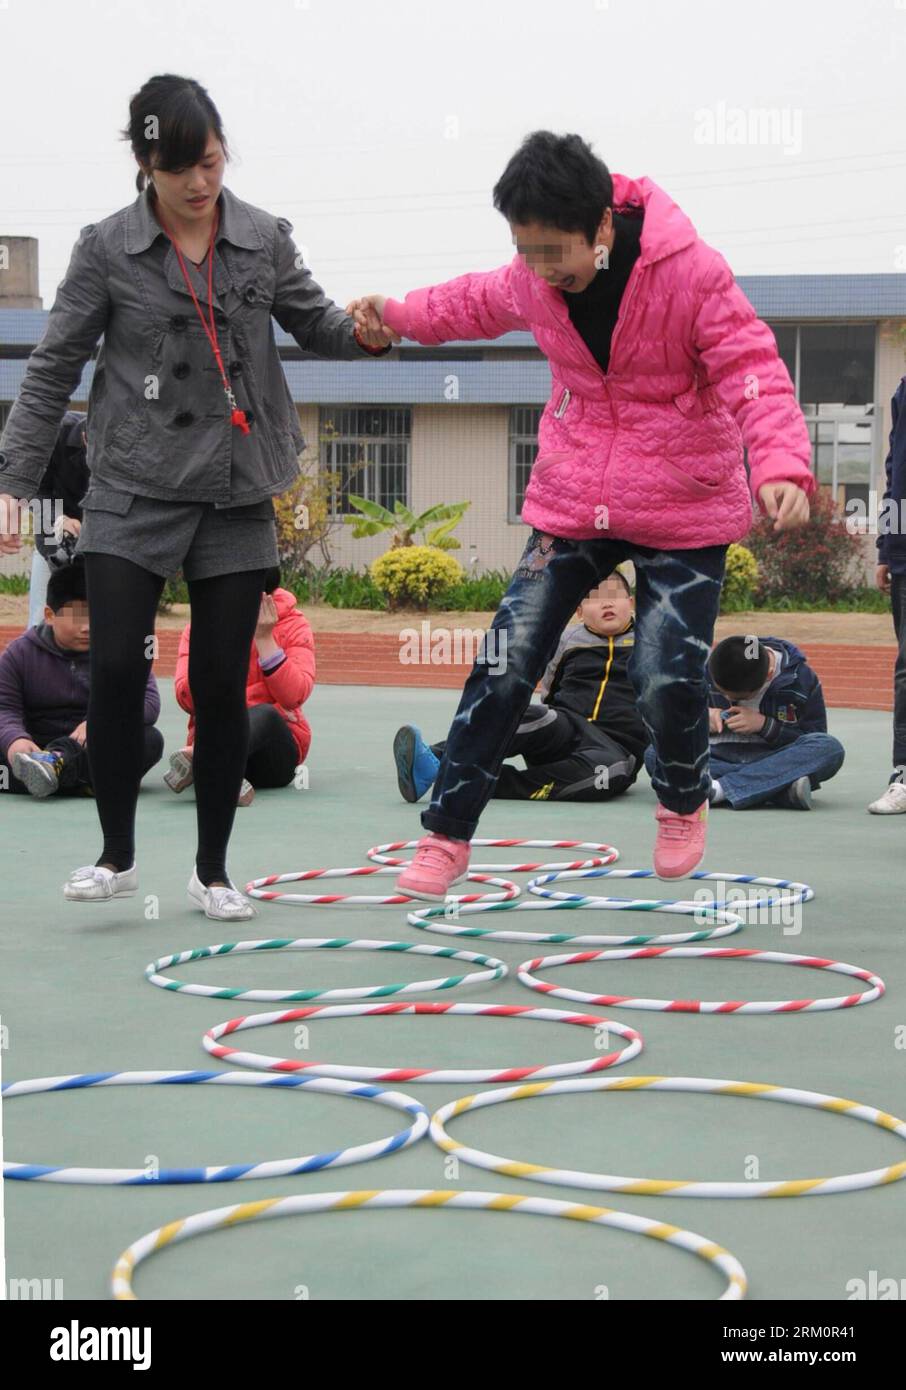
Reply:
x=558, y=181
x=272, y=579
x=66, y=585
x=739, y=664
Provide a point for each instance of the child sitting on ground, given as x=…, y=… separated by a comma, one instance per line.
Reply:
x=281, y=677
x=44, y=698
x=585, y=741
x=768, y=726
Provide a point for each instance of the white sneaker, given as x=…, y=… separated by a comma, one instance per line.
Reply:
x=892, y=803
x=93, y=884
x=220, y=904
x=181, y=774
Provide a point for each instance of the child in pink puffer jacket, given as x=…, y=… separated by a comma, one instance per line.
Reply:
x=661, y=373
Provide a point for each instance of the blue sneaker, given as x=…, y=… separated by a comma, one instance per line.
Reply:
x=416, y=765
x=39, y=771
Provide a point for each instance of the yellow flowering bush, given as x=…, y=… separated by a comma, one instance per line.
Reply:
x=414, y=575
x=740, y=580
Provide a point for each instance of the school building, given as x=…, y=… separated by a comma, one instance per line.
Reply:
x=459, y=422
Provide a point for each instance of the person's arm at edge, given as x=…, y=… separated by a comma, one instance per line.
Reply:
x=477, y=305
x=181, y=675
x=303, y=309
x=74, y=325
x=12, y=699
x=291, y=682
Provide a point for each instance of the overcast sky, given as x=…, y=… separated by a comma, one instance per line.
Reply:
x=378, y=127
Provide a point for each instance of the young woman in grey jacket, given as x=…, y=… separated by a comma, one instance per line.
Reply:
x=191, y=431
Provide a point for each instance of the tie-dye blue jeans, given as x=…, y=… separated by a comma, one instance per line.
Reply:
x=677, y=599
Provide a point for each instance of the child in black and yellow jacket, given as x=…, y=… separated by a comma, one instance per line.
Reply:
x=585, y=739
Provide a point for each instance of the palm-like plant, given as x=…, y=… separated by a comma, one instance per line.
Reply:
x=436, y=523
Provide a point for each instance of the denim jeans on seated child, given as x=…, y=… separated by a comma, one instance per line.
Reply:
x=677, y=598
x=751, y=774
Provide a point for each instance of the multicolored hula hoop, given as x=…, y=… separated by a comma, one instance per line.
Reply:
x=233, y=1172
x=226, y=1217
x=648, y=1187
x=525, y=973
x=495, y=969
x=459, y=1075
x=262, y=889
x=445, y=919
x=384, y=855
x=603, y=854
x=781, y=891
x=721, y=917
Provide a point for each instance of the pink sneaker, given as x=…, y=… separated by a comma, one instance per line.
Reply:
x=437, y=864
x=680, y=844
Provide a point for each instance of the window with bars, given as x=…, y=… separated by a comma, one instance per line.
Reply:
x=366, y=449
x=832, y=366
x=524, y=421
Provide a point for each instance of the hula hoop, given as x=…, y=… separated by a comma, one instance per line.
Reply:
x=781, y=891
x=226, y=1217
x=234, y=1172
x=261, y=888
x=444, y=919
x=384, y=855
x=648, y=1187
x=495, y=969
x=459, y=1075
x=603, y=854
x=706, y=1006
x=724, y=918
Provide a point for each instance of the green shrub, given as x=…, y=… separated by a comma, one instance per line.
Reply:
x=14, y=583
x=175, y=590
x=415, y=575
x=349, y=589
x=476, y=593
x=855, y=600
x=816, y=563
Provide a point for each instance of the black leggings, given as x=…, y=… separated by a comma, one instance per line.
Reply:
x=273, y=754
x=122, y=600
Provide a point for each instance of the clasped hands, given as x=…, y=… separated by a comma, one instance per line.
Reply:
x=368, y=314
x=738, y=721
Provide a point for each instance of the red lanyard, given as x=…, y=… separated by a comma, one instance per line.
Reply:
x=237, y=416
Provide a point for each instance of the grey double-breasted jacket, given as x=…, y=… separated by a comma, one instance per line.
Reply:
x=158, y=418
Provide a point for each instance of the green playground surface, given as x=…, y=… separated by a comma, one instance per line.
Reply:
x=73, y=999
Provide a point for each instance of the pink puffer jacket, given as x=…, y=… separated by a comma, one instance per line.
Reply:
x=652, y=450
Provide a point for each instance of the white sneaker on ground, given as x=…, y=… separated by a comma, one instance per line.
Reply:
x=181, y=774
x=892, y=803
x=91, y=884
x=220, y=904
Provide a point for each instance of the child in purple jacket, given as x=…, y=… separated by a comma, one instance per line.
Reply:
x=44, y=698
x=661, y=373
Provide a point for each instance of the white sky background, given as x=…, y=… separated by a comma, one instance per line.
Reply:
x=379, y=127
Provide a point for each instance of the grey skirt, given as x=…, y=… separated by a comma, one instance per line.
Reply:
x=164, y=537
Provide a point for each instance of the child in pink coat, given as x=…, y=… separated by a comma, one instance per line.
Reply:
x=661, y=373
